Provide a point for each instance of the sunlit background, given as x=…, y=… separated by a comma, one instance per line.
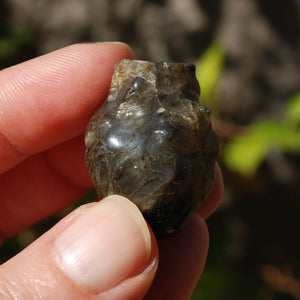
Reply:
x=247, y=54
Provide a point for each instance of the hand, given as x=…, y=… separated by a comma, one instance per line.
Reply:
x=101, y=250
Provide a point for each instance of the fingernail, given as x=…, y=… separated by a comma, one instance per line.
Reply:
x=124, y=45
x=105, y=245
x=115, y=42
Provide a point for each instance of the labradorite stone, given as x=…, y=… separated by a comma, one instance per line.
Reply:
x=152, y=142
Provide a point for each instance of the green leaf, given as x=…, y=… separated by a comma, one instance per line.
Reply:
x=247, y=151
x=293, y=110
x=16, y=38
x=208, y=70
x=244, y=153
x=278, y=134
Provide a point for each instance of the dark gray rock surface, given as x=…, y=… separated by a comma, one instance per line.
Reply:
x=152, y=142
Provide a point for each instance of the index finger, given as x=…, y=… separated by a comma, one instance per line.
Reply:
x=50, y=99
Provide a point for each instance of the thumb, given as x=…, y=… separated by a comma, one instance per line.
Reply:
x=101, y=250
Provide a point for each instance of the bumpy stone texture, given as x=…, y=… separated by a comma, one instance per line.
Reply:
x=152, y=142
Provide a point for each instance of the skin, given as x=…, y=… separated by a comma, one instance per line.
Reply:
x=45, y=105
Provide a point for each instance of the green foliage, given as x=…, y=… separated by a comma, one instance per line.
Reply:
x=13, y=40
x=293, y=110
x=208, y=71
x=247, y=151
x=223, y=283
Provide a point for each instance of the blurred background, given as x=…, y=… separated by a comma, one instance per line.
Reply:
x=247, y=54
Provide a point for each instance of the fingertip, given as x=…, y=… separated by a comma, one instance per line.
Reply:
x=213, y=201
x=182, y=259
x=102, y=250
x=110, y=244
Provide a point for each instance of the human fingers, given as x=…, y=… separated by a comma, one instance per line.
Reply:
x=44, y=102
x=101, y=251
x=49, y=99
x=213, y=201
x=181, y=261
